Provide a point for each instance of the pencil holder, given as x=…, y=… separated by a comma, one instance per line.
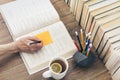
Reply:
x=82, y=60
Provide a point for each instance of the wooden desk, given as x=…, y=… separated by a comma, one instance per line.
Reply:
x=13, y=68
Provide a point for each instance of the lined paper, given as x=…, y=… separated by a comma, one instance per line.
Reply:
x=23, y=17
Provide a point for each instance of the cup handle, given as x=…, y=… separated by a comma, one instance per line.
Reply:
x=47, y=74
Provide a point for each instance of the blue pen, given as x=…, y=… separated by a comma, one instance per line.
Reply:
x=87, y=46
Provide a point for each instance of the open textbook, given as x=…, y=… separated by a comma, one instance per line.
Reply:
x=38, y=18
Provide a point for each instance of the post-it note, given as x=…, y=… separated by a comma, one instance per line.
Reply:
x=45, y=37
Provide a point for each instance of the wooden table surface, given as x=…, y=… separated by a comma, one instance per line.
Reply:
x=13, y=68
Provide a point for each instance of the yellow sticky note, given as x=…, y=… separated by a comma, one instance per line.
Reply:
x=45, y=37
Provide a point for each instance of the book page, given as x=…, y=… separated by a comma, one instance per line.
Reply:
x=108, y=44
x=116, y=75
x=23, y=17
x=61, y=45
x=110, y=50
x=113, y=60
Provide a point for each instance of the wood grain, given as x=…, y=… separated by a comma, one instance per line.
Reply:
x=13, y=68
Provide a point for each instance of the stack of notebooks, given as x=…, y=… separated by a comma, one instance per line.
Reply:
x=38, y=18
x=102, y=19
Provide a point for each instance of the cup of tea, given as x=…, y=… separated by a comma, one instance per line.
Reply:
x=58, y=68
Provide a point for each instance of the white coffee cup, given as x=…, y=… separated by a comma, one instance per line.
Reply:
x=51, y=73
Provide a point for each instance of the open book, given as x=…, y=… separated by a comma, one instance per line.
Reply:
x=36, y=18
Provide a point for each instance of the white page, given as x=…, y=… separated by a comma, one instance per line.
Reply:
x=107, y=46
x=66, y=1
x=116, y=76
x=112, y=61
x=62, y=46
x=22, y=17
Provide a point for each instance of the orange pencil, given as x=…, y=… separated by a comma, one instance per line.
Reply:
x=88, y=52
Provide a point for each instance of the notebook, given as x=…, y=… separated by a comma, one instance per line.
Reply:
x=38, y=18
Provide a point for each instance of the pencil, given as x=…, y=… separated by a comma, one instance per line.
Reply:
x=88, y=52
x=77, y=46
x=82, y=39
x=79, y=41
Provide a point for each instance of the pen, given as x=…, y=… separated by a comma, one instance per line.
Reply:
x=87, y=46
x=79, y=40
x=34, y=42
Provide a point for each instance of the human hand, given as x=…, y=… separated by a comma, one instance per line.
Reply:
x=24, y=46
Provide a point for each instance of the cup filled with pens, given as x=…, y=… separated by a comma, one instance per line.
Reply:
x=84, y=56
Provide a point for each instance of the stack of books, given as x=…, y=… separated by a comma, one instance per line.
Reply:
x=76, y=7
x=113, y=62
x=102, y=19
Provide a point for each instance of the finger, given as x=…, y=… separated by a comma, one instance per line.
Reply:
x=36, y=47
x=40, y=45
